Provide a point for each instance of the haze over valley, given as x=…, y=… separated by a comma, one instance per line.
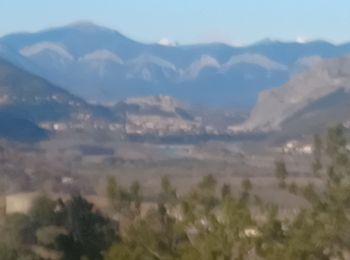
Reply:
x=91, y=102
x=174, y=130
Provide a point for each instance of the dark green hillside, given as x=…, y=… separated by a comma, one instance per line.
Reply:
x=20, y=129
x=25, y=95
x=27, y=100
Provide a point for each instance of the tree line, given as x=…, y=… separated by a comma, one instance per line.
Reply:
x=208, y=222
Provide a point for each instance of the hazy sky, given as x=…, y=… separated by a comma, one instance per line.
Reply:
x=189, y=21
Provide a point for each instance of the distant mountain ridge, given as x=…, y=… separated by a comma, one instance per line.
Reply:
x=100, y=64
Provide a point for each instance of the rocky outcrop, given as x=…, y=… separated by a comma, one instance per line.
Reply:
x=276, y=106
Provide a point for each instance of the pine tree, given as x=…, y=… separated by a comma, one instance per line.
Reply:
x=281, y=173
x=317, y=153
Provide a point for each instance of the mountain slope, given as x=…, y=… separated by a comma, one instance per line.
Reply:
x=20, y=129
x=34, y=98
x=100, y=64
x=324, y=113
x=27, y=101
x=315, y=98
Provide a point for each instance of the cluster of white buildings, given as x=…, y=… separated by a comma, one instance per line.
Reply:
x=80, y=125
x=296, y=147
x=152, y=124
x=346, y=124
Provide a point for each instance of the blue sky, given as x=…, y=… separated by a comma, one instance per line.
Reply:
x=189, y=21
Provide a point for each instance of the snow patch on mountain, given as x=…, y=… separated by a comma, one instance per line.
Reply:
x=46, y=46
x=196, y=67
x=102, y=55
x=142, y=67
x=149, y=60
x=167, y=42
x=256, y=59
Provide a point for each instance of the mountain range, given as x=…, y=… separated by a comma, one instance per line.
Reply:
x=101, y=65
x=48, y=78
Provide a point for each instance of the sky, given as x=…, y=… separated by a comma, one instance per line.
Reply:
x=235, y=22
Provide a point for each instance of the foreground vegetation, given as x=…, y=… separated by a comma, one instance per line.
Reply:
x=209, y=222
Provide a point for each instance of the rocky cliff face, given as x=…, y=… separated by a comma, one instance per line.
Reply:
x=160, y=116
x=276, y=106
